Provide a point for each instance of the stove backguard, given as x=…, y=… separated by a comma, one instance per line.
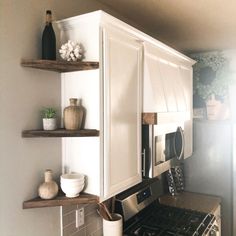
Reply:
x=134, y=200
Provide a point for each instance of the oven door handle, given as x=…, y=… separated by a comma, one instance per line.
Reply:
x=181, y=132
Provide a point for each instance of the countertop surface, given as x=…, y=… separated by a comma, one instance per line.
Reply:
x=193, y=201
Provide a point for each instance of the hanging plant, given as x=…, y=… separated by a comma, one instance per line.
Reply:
x=211, y=76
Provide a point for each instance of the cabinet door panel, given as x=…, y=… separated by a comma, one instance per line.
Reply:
x=122, y=111
x=178, y=87
x=187, y=82
x=163, y=89
x=153, y=95
x=167, y=79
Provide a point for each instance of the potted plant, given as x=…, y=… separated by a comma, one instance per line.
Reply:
x=49, y=118
x=211, y=83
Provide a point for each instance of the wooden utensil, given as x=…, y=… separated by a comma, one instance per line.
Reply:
x=107, y=211
x=102, y=212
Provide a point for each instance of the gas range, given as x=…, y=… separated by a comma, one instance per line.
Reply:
x=144, y=216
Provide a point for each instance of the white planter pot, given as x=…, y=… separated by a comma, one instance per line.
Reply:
x=49, y=123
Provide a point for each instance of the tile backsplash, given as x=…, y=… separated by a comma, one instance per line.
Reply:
x=92, y=221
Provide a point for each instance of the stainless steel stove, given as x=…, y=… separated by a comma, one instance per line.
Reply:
x=144, y=216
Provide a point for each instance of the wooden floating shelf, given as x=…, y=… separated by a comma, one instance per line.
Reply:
x=155, y=118
x=149, y=118
x=60, y=200
x=60, y=66
x=60, y=133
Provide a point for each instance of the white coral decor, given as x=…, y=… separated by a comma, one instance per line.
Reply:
x=71, y=51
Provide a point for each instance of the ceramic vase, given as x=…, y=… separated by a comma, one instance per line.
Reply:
x=48, y=189
x=73, y=115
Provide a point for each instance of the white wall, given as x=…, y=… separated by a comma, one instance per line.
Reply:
x=23, y=93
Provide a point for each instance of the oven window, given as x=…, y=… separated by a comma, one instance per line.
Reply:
x=170, y=146
x=160, y=145
x=178, y=143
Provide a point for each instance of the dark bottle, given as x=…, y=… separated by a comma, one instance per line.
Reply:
x=48, y=39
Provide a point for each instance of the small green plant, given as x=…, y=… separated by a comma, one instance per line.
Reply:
x=49, y=113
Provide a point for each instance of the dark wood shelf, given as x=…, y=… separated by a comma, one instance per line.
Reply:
x=60, y=133
x=60, y=200
x=149, y=118
x=60, y=66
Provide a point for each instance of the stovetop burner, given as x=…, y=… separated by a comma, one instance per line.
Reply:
x=147, y=231
x=164, y=221
x=153, y=231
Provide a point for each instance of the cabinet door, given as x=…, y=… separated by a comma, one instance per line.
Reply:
x=122, y=58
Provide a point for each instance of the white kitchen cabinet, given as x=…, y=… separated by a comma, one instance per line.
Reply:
x=113, y=100
x=113, y=95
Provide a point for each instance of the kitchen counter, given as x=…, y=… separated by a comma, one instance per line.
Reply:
x=193, y=201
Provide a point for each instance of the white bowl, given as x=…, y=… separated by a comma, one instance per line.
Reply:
x=72, y=191
x=72, y=185
x=66, y=181
x=72, y=177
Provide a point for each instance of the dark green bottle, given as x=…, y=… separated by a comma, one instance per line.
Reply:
x=48, y=39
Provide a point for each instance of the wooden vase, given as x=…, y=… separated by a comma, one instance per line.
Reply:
x=73, y=115
x=48, y=189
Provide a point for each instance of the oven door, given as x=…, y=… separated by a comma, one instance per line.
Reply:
x=163, y=146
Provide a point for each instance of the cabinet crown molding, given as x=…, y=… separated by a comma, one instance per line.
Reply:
x=101, y=18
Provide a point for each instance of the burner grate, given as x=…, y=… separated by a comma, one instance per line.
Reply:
x=165, y=220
